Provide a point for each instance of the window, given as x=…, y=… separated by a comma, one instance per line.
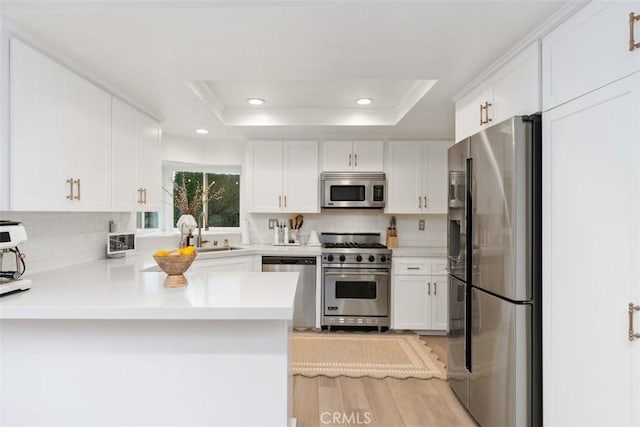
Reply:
x=147, y=220
x=220, y=204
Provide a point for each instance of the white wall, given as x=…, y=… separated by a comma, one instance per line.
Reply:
x=60, y=239
x=198, y=151
x=4, y=116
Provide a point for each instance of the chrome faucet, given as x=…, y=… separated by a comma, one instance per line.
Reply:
x=202, y=219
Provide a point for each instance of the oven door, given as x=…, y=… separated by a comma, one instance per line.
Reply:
x=356, y=292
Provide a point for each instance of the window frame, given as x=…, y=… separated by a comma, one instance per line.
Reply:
x=169, y=168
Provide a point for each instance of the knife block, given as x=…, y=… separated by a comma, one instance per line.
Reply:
x=392, y=238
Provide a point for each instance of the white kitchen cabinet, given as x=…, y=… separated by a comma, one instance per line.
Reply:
x=417, y=177
x=359, y=156
x=589, y=50
x=511, y=91
x=284, y=176
x=591, y=253
x=228, y=264
x=60, y=137
x=419, y=294
x=136, y=171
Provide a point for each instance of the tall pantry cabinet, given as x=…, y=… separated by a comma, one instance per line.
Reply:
x=591, y=207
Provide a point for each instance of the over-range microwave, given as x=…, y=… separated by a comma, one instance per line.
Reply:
x=353, y=190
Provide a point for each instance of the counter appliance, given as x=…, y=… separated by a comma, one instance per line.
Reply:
x=12, y=266
x=494, y=259
x=355, y=280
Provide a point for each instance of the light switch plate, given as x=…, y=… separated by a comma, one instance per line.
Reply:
x=273, y=223
x=421, y=224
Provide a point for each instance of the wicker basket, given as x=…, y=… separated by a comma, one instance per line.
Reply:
x=174, y=266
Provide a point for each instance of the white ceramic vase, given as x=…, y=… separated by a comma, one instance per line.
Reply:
x=188, y=222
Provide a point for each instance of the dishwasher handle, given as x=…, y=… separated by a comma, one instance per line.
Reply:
x=276, y=260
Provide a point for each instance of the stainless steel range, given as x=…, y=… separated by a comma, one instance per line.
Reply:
x=355, y=280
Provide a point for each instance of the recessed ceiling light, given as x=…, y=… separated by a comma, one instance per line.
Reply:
x=364, y=101
x=202, y=131
x=255, y=101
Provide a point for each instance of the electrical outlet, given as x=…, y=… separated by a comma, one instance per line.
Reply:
x=273, y=223
x=421, y=224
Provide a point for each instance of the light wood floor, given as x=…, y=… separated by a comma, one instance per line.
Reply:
x=388, y=402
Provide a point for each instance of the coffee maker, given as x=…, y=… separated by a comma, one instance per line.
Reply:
x=12, y=265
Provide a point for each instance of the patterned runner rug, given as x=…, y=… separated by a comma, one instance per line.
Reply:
x=349, y=354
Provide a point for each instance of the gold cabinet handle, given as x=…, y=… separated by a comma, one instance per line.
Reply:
x=435, y=288
x=139, y=195
x=144, y=191
x=349, y=159
x=632, y=42
x=279, y=201
x=285, y=200
x=419, y=202
x=78, y=184
x=428, y=288
x=424, y=205
x=481, y=109
x=413, y=268
x=632, y=309
x=486, y=112
x=355, y=159
x=70, y=182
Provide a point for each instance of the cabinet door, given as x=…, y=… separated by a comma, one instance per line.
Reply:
x=516, y=88
x=124, y=164
x=468, y=112
x=591, y=250
x=149, y=163
x=588, y=51
x=411, y=308
x=301, y=184
x=435, y=180
x=38, y=154
x=439, y=303
x=368, y=156
x=229, y=264
x=88, y=140
x=404, y=177
x=337, y=156
x=267, y=174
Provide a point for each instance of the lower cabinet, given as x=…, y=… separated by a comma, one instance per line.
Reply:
x=230, y=264
x=419, y=301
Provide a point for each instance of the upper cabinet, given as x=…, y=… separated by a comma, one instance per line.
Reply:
x=283, y=176
x=417, y=177
x=60, y=137
x=596, y=46
x=360, y=156
x=136, y=171
x=511, y=91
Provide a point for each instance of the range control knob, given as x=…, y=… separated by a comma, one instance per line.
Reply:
x=329, y=257
x=359, y=258
x=383, y=258
x=371, y=258
x=342, y=258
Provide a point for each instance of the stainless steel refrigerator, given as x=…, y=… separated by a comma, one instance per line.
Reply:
x=494, y=250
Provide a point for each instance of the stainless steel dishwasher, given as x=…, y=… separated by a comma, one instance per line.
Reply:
x=304, y=312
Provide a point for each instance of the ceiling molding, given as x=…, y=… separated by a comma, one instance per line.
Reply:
x=545, y=28
x=310, y=116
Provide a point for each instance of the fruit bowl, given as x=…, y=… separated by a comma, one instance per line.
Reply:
x=174, y=266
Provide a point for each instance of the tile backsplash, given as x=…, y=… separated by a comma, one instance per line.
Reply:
x=434, y=234
x=59, y=239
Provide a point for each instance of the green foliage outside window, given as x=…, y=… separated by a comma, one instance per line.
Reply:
x=223, y=210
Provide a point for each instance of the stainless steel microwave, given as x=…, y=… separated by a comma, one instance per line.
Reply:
x=353, y=190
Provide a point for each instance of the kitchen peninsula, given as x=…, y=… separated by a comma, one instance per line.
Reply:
x=103, y=343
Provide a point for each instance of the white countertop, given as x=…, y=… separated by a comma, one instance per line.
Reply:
x=432, y=251
x=117, y=289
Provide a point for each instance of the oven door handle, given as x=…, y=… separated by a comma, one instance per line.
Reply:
x=361, y=273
